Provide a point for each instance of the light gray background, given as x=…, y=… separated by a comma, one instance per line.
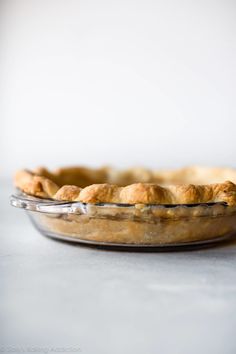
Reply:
x=117, y=82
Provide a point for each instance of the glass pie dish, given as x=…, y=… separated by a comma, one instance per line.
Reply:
x=144, y=226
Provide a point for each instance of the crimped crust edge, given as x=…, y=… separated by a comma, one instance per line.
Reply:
x=44, y=184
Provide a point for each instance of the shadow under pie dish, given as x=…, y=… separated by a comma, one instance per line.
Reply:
x=135, y=207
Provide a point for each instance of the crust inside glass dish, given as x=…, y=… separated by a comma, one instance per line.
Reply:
x=136, y=207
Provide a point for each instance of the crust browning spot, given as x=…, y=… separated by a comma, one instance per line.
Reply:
x=98, y=193
x=70, y=193
x=144, y=193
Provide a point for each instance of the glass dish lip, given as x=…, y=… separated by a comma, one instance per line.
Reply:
x=28, y=202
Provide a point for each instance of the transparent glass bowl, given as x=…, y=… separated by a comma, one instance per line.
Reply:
x=121, y=225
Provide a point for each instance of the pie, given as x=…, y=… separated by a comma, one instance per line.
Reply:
x=158, y=201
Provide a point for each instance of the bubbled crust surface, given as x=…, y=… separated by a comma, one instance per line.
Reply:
x=184, y=186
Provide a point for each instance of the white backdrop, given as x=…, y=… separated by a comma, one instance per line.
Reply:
x=118, y=82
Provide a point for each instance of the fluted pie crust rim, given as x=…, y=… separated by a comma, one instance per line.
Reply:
x=189, y=185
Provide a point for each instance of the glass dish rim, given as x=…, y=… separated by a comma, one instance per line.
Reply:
x=46, y=205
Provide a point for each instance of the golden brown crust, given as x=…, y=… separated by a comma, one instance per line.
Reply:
x=67, y=193
x=71, y=175
x=187, y=186
x=33, y=184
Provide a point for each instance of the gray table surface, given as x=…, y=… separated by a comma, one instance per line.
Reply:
x=59, y=297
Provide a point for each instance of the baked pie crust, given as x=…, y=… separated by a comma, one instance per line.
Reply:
x=191, y=185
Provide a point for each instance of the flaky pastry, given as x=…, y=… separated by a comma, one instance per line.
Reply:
x=190, y=185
